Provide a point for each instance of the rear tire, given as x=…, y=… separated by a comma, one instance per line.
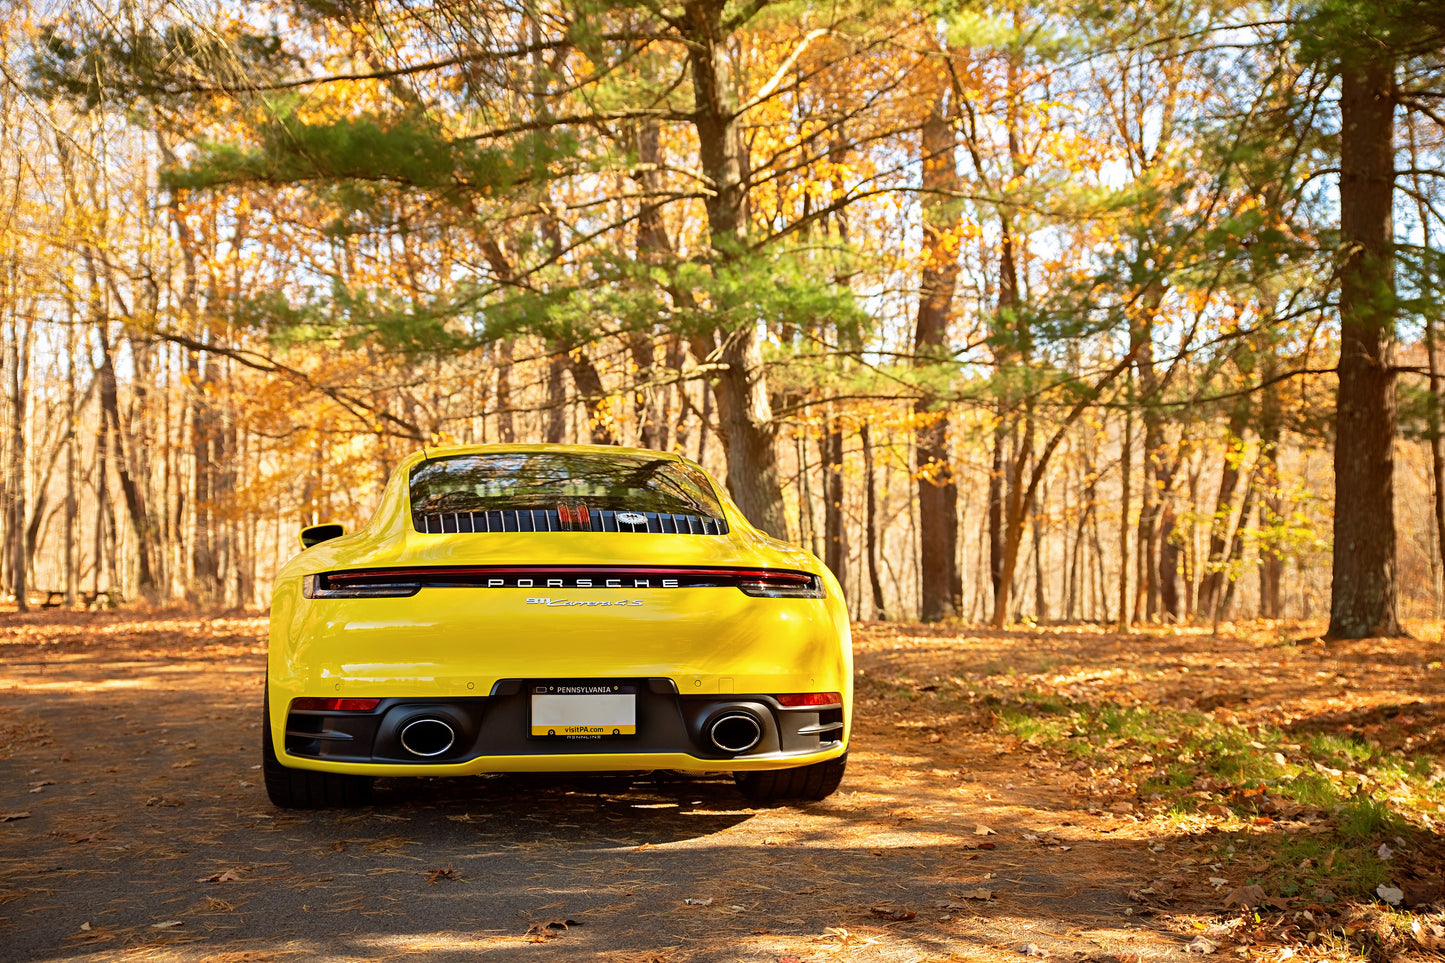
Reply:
x=304, y=788
x=818, y=781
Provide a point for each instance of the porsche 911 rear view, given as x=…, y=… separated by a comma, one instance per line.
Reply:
x=554, y=609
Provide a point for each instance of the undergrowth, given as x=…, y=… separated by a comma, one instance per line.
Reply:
x=1315, y=811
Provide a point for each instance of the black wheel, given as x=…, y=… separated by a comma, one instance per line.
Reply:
x=303, y=788
x=814, y=782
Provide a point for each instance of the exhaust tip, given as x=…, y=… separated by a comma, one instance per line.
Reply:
x=427, y=737
x=735, y=732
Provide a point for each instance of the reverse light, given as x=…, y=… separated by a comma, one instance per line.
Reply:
x=335, y=705
x=801, y=700
x=780, y=585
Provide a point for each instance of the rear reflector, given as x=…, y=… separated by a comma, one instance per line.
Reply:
x=335, y=705
x=799, y=700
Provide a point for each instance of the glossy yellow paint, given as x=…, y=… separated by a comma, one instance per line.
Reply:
x=458, y=642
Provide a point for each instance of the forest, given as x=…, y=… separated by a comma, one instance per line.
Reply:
x=1010, y=311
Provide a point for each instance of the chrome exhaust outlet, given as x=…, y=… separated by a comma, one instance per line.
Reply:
x=427, y=737
x=735, y=732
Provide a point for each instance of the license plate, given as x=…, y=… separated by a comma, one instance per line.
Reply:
x=583, y=710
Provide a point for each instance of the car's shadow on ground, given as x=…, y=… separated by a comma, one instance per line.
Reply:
x=596, y=810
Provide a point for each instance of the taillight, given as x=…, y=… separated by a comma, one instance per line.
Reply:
x=800, y=700
x=781, y=585
x=336, y=705
x=362, y=585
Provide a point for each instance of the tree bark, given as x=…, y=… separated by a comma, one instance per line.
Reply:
x=1236, y=545
x=16, y=469
x=1363, y=588
x=745, y=415
x=1036, y=522
x=1126, y=471
x=654, y=248
x=556, y=431
x=134, y=500
x=835, y=541
x=1271, y=502
x=995, y=503
x=937, y=489
x=71, y=505
x=102, y=500
x=588, y=381
x=871, y=523
x=506, y=422
x=1212, y=580
x=205, y=431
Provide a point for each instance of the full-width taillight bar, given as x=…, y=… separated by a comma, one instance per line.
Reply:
x=403, y=582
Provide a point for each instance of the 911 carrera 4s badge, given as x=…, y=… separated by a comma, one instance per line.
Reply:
x=604, y=602
x=583, y=711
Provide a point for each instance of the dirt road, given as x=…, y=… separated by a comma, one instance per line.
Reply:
x=133, y=825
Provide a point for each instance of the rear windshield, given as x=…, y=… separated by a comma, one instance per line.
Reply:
x=532, y=480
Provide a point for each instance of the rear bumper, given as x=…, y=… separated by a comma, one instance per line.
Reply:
x=492, y=733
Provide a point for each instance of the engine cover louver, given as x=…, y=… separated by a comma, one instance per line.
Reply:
x=549, y=520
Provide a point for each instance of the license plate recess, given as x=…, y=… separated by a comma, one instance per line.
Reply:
x=583, y=710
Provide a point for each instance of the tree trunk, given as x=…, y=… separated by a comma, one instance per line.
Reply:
x=1126, y=471
x=205, y=557
x=741, y=391
x=556, y=431
x=16, y=468
x=1236, y=545
x=807, y=524
x=871, y=523
x=588, y=381
x=995, y=504
x=937, y=489
x=654, y=248
x=1436, y=388
x=646, y=408
x=1363, y=588
x=134, y=502
x=1213, y=578
x=1437, y=449
x=1041, y=601
x=1168, y=563
x=71, y=504
x=1271, y=502
x=1022, y=495
x=835, y=542
x=506, y=423
x=102, y=496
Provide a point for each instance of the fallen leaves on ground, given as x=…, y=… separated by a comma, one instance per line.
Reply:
x=434, y=876
x=897, y=915
x=549, y=929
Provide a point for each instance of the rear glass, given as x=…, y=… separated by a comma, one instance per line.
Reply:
x=512, y=480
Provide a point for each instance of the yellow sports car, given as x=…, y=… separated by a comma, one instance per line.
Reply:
x=554, y=608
